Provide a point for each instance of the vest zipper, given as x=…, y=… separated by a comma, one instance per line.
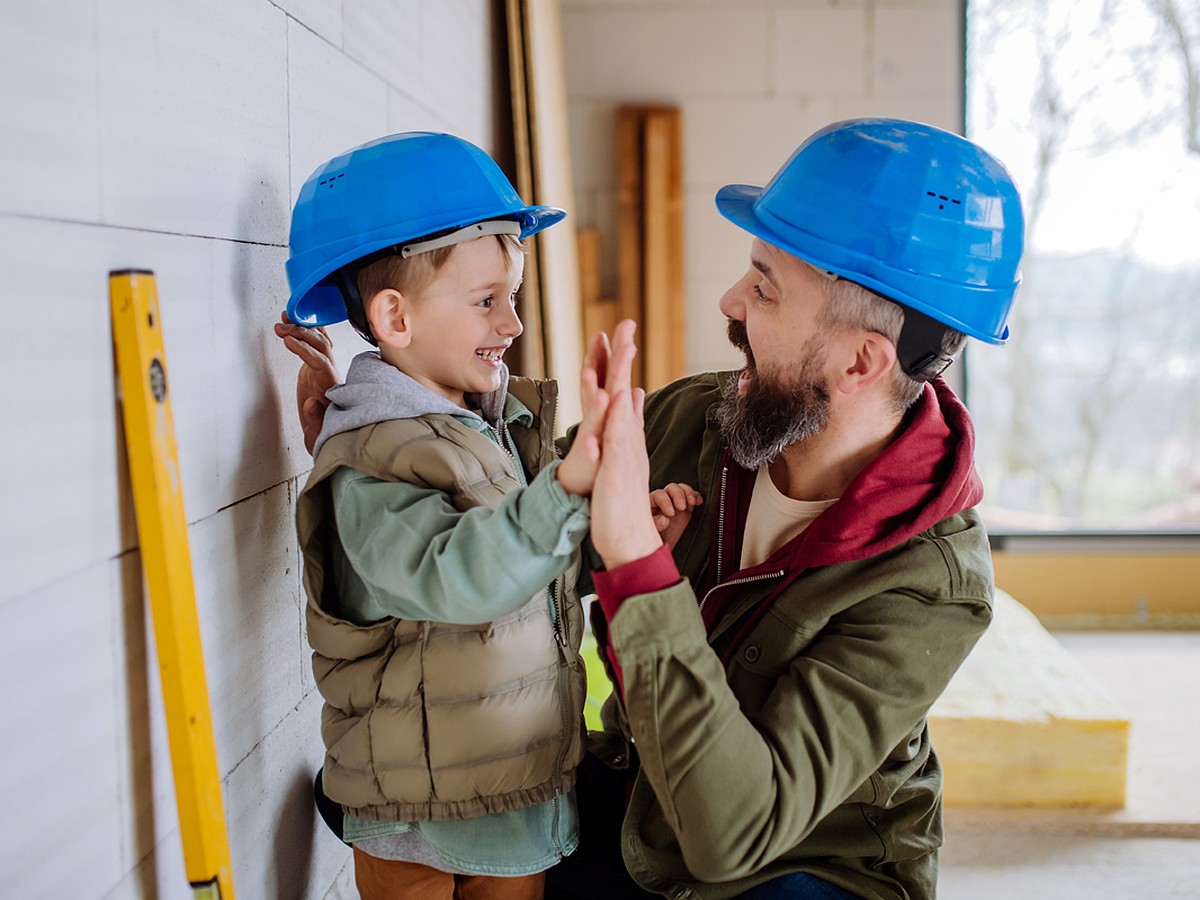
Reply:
x=506, y=445
x=564, y=692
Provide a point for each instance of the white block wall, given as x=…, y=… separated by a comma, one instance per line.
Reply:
x=753, y=79
x=174, y=136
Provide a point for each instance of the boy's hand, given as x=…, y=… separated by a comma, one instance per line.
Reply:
x=577, y=473
x=318, y=373
x=622, y=526
x=672, y=508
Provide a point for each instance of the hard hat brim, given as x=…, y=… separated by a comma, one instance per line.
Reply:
x=737, y=203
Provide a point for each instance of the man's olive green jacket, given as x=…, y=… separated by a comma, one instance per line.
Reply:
x=782, y=727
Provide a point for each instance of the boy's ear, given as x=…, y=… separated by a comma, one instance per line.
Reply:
x=388, y=313
x=872, y=358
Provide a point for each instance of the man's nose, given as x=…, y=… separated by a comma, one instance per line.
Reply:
x=732, y=303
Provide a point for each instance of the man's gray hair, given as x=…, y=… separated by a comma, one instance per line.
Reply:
x=851, y=305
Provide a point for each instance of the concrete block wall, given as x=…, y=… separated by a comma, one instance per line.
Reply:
x=753, y=79
x=174, y=136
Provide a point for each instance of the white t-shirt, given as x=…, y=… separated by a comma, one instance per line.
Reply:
x=774, y=519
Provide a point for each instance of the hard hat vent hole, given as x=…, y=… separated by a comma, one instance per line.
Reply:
x=942, y=199
x=331, y=180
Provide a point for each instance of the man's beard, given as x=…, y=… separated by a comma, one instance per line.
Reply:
x=778, y=409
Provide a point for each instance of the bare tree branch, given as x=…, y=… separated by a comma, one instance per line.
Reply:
x=1171, y=15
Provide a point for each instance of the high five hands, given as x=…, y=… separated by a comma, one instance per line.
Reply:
x=624, y=527
x=607, y=459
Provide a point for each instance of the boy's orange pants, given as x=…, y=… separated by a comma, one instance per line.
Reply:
x=390, y=879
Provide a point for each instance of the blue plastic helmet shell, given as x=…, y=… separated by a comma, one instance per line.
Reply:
x=390, y=191
x=918, y=214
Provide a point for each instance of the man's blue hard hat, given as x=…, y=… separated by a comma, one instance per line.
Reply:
x=918, y=214
x=387, y=192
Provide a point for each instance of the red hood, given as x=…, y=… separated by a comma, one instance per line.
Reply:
x=925, y=475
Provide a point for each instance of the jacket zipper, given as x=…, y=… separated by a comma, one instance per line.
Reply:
x=761, y=576
x=720, y=529
x=554, y=827
x=721, y=549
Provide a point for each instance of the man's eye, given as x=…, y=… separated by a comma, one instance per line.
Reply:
x=758, y=291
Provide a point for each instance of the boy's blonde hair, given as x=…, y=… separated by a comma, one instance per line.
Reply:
x=409, y=275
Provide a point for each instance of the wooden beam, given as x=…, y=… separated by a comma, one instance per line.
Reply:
x=553, y=185
x=599, y=314
x=662, y=245
x=530, y=355
x=629, y=224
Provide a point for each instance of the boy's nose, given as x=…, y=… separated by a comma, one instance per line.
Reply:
x=510, y=324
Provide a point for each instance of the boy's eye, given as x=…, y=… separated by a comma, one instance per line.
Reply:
x=486, y=303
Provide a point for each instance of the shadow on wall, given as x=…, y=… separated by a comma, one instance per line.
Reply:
x=259, y=364
x=293, y=844
x=259, y=292
x=138, y=699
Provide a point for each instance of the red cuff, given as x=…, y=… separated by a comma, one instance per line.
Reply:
x=642, y=576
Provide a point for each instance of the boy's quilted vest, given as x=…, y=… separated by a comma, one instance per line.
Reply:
x=426, y=721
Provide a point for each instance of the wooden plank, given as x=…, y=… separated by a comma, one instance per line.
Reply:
x=678, y=316
x=558, y=269
x=529, y=357
x=588, y=240
x=599, y=314
x=629, y=223
x=662, y=243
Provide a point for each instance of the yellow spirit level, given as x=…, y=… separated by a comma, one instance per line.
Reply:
x=166, y=561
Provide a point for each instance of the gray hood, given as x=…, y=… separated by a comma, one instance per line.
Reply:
x=376, y=391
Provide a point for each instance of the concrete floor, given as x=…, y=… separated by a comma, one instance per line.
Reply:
x=1150, y=849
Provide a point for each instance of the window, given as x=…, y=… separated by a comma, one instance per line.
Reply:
x=1089, y=418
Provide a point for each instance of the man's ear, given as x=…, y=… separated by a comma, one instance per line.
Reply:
x=389, y=313
x=871, y=359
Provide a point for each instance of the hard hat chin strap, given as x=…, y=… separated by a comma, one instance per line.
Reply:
x=919, y=348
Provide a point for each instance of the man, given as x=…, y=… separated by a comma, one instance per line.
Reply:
x=770, y=707
x=767, y=733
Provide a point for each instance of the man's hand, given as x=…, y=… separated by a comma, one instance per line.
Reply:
x=671, y=508
x=622, y=527
x=318, y=373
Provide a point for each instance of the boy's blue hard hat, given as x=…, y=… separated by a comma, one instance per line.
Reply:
x=386, y=192
x=918, y=214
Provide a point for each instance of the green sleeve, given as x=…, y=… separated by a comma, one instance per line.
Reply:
x=410, y=554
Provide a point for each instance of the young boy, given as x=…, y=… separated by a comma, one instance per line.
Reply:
x=433, y=524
